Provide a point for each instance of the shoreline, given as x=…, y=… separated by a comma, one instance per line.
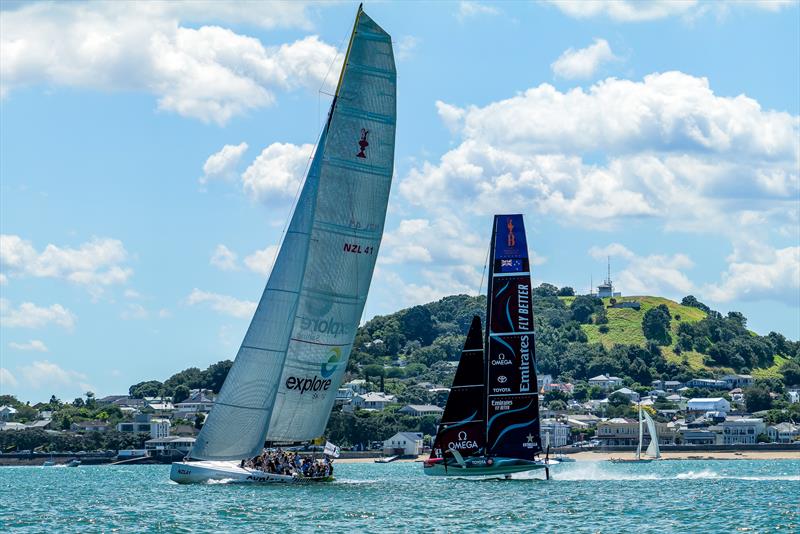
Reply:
x=599, y=456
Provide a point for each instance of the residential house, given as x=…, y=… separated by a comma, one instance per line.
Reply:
x=741, y=431
x=692, y=436
x=404, y=443
x=542, y=381
x=556, y=432
x=90, y=426
x=169, y=446
x=623, y=431
x=161, y=406
x=793, y=395
x=7, y=413
x=632, y=395
x=783, y=433
x=421, y=409
x=157, y=427
x=372, y=401
x=359, y=386
x=198, y=401
x=42, y=424
x=605, y=381
x=738, y=381
x=706, y=383
x=7, y=425
x=344, y=396
x=184, y=430
x=702, y=405
x=679, y=400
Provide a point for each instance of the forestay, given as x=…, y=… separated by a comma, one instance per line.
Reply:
x=284, y=380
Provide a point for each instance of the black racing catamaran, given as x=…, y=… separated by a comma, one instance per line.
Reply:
x=490, y=425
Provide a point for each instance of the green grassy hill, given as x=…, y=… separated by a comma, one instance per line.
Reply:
x=625, y=327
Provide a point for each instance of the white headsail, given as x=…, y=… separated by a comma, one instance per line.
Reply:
x=653, y=450
x=283, y=382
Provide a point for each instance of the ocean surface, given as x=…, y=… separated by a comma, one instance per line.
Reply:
x=667, y=496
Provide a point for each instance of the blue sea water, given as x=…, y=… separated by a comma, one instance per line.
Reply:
x=668, y=496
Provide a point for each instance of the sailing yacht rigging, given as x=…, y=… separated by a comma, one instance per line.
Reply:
x=491, y=425
x=653, y=451
x=284, y=379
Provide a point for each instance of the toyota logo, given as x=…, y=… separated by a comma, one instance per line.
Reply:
x=462, y=436
x=502, y=379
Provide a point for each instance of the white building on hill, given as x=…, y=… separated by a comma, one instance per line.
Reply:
x=713, y=404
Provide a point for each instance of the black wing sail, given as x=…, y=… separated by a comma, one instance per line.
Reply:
x=512, y=403
x=463, y=423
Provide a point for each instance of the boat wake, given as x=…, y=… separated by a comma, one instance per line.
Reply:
x=600, y=472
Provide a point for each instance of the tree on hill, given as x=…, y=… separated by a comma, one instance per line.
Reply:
x=757, y=398
x=691, y=301
x=791, y=373
x=181, y=393
x=545, y=290
x=566, y=291
x=149, y=388
x=418, y=324
x=655, y=324
x=583, y=307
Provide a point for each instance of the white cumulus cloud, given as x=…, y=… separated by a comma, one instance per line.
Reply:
x=202, y=71
x=648, y=10
x=584, y=62
x=7, y=380
x=775, y=276
x=33, y=345
x=224, y=258
x=95, y=264
x=224, y=304
x=29, y=315
x=277, y=171
x=474, y=9
x=261, y=261
x=654, y=274
x=46, y=374
x=222, y=164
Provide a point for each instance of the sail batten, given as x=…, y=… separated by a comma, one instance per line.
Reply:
x=285, y=376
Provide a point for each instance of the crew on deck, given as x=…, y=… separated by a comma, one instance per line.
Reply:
x=280, y=462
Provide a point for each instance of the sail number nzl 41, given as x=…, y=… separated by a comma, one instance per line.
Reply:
x=355, y=248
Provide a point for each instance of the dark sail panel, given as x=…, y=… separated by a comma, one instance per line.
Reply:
x=512, y=405
x=462, y=427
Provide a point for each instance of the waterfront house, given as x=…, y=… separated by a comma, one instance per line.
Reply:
x=157, y=427
x=403, y=443
x=783, y=433
x=702, y=405
x=7, y=413
x=169, y=446
x=421, y=409
x=623, y=431
x=742, y=431
x=42, y=424
x=605, y=381
x=372, y=401
x=555, y=431
x=692, y=436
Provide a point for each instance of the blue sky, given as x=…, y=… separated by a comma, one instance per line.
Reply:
x=149, y=156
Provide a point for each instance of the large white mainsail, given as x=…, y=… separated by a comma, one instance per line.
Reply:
x=283, y=382
x=653, y=451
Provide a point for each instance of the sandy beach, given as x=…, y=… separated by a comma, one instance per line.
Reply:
x=591, y=456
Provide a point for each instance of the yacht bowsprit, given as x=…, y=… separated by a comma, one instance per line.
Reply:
x=284, y=379
x=490, y=425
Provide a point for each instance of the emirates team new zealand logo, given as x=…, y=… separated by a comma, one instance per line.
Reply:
x=363, y=143
x=512, y=239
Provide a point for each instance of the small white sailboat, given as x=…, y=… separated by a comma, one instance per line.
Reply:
x=283, y=382
x=653, y=451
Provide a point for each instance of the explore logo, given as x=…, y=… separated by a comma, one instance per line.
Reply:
x=333, y=363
